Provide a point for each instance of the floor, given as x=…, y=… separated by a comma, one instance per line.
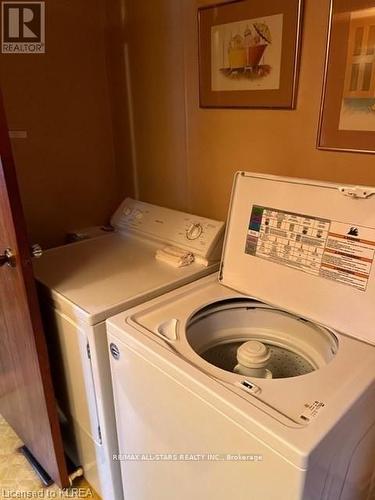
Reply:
x=17, y=476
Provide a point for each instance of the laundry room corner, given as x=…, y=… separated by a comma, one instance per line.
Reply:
x=58, y=109
x=187, y=249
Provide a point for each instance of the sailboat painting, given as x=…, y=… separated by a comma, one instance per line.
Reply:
x=246, y=55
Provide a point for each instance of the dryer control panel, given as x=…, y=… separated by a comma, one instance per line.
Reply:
x=200, y=235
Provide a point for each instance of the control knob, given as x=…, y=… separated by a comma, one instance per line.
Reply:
x=194, y=231
x=138, y=214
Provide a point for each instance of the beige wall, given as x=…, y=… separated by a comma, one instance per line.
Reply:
x=117, y=93
x=155, y=47
x=66, y=166
x=120, y=106
x=186, y=156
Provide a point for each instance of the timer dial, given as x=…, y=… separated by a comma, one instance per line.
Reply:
x=194, y=231
x=138, y=215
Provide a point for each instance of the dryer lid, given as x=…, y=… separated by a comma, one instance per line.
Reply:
x=305, y=246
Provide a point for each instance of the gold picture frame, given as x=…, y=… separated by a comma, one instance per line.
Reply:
x=347, y=113
x=249, y=53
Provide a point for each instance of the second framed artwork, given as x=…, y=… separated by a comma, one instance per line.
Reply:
x=347, y=118
x=249, y=53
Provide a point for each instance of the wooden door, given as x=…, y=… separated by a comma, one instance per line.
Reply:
x=26, y=394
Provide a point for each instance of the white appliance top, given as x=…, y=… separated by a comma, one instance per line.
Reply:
x=204, y=310
x=305, y=246
x=99, y=277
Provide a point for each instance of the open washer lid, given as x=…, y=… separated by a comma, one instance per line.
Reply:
x=305, y=246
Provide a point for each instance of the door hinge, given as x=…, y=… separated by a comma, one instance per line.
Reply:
x=88, y=350
x=99, y=434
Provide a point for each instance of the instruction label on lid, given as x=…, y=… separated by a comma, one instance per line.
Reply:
x=333, y=250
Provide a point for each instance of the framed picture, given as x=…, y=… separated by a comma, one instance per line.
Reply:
x=347, y=116
x=249, y=53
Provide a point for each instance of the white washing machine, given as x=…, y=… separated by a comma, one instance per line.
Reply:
x=258, y=383
x=83, y=284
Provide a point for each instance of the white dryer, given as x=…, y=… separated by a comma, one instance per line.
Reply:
x=259, y=382
x=82, y=285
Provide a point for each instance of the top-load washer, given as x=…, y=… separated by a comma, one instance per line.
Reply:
x=152, y=250
x=259, y=382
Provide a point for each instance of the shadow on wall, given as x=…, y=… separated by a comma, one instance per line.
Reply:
x=66, y=165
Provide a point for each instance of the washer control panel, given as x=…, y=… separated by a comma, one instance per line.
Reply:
x=198, y=234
